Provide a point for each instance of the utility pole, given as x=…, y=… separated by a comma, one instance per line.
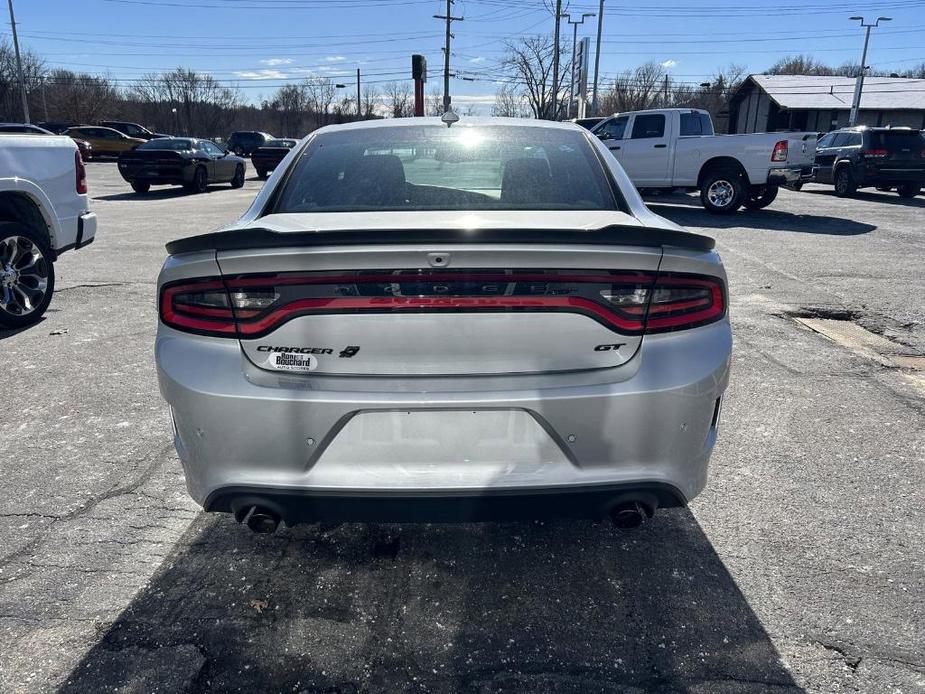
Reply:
x=446, y=52
x=665, y=104
x=22, y=77
x=597, y=55
x=555, y=63
x=359, y=108
x=571, y=89
x=859, y=84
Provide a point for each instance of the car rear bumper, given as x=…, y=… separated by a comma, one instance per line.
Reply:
x=792, y=174
x=362, y=447
x=886, y=176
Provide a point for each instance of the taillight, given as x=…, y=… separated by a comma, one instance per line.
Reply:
x=81, y=173
x=780, y=151
x=875, y=153
x=198, y=306
x=627, y=302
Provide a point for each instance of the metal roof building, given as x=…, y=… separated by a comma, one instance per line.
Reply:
x=769, y=103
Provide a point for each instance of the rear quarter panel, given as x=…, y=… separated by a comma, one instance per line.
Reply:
x=42, y=167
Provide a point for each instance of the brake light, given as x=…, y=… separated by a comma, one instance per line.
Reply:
x=81, y=173
x=875, y=153
x=780, y=151
x=627, y=302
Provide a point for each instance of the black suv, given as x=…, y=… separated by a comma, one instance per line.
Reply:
x=131, y=129
x=244, y=142
x=853, y=158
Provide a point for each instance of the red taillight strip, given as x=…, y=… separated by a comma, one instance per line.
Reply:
x=713, y=312
x=397, y=303
x=176, y=314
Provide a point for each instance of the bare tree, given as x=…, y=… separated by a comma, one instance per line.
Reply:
x=204, y=106
x=434, y=102
x=290, y=104
x=398, y=100
x=509, y=103
x=528, y=63
x=80, y=98
x=799, y=65
x=321, y=93
x=370, y=102
x=33, y=71
x=635, y=89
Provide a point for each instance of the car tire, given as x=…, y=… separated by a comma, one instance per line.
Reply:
x=200, y=182
x=261, y=174
x=140, y=187
x=722, y=191
x=238, y=180
x=909, y=190
x=16, y=241
x=764, y=196
x=797, y=187
x=845, y=185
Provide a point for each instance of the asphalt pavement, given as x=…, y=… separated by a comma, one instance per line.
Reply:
x=800, y=568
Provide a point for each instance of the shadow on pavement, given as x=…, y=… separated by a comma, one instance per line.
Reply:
x=524, y=607
x=9, y=332
x=878, y=196
x=157, y=193
x=683, y=213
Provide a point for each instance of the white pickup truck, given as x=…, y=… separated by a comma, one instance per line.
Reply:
x=44, y=211
x=677, y=148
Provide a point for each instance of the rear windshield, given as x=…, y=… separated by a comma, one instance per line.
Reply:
x=897, y=139
x=162, y=143
x=439, y=168
x=281, y=143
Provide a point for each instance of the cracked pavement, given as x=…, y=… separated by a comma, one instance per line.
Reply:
x=800, y=568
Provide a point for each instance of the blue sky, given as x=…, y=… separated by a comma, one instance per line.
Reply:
x=260, y=45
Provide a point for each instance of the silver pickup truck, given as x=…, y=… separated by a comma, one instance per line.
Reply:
x=44, y=211
x=677, y=148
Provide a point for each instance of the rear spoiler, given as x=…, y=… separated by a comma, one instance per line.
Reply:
x=614, y=235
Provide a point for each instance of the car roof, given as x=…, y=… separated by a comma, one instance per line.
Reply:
x=463, y=122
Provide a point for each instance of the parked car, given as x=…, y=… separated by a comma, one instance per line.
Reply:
x=427, y=322
x=184, y=161
x=131, y=129
x=244, y=142
x=105, y=141
x=266, y=158
x=84, y=147
x=677, y=148
x=57, y=127
x=589, y=122
x=860, y=157
x=44, y=212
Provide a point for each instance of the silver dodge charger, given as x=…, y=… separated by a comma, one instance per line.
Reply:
x=423, y=319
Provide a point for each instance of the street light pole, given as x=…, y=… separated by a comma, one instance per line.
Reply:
x=22, y=76
x=597, y=56
x=571, y=89
x=859, y=83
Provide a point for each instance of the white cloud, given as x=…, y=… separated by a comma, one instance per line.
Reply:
x=335, y=58
x=261, y=74
x=479, y=59
x=276, y=61
x=668, y=64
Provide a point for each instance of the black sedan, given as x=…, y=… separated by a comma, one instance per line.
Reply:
x=268, y=157
x=185, y=161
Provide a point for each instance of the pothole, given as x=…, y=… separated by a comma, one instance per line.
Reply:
x=863, y=342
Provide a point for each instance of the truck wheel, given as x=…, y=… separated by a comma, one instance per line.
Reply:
x=27, y=275
x=845, y=185
x=761, y=197
x=140, y=187
x=261, y=174
x=909, y=190
x=722, y=191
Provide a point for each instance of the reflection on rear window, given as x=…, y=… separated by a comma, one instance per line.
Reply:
x=440, y=168
x=897, y=139
x=164, y=143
